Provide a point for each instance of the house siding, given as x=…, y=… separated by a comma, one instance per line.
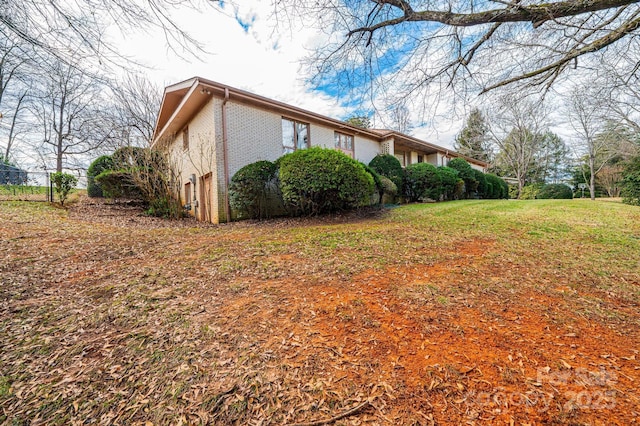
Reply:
x=321, y=136
x=253, y=135
x=366, y=149
x=200, y=158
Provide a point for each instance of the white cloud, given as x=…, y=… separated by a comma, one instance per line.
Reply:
x=257, y=59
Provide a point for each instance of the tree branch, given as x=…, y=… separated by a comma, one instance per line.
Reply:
x=537, y=14
x=596, y=45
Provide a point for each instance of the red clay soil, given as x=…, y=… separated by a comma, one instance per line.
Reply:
x=518, y=360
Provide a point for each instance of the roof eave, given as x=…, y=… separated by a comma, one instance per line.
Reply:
x=158, y=136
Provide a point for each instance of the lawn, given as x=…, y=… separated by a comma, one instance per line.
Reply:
x=469, y=312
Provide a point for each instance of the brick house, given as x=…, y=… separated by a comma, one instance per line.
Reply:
x=211, y=130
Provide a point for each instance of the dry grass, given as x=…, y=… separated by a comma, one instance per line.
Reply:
x=489, y=312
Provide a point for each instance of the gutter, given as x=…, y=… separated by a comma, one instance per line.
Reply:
x=225, y=155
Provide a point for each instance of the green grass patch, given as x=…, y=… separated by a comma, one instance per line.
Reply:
x=22, y=189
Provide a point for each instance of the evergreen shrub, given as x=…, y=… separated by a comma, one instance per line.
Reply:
x=318, y=180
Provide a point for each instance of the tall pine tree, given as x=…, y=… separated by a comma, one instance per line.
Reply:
x=473, y=139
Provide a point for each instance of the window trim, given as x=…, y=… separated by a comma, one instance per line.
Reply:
x=340, y=147
x=295, y=124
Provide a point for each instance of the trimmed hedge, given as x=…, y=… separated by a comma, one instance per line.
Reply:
x=505, y=189
x=386, y=189
x=466, y=174
x=117, y=184
x=555, y=191
x=631, y=183
x=421, y=182
x=387, y=165
x=481, y=187
x=452, y=185
x=253, y=191
x=317, y=180
x=99, y=165
x=379, y=190
x=496, y=187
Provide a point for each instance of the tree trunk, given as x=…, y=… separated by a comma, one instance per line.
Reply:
x=521, y=181
x=13, y=126
x=592, y=178
x=59, y=155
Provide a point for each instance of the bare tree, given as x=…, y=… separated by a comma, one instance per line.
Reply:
x=624, y=91
x=625, y=105
x=400, y=117
x=135, y=108
x=517, y=129
x=468, y=45
x=587, y=111
x=64, y=29
x=14, y=90
x=71, y=112
x=15, y=127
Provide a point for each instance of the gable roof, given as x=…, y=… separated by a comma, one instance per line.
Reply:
x=182, y=101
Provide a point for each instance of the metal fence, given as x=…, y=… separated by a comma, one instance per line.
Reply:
x=23, y=185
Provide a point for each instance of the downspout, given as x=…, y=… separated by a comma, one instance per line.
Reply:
x=225, y=155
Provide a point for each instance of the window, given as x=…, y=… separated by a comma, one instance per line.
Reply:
x=344, y=143
x=185, y=138
x=295, y=135
x=420, y=158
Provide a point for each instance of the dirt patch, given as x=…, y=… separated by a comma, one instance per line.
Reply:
x=461, y=358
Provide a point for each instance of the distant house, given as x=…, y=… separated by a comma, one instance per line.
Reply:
x=211, y=130
x=11, y=175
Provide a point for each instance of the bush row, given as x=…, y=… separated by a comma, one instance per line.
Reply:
x=424, y=181
x=318, y=180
